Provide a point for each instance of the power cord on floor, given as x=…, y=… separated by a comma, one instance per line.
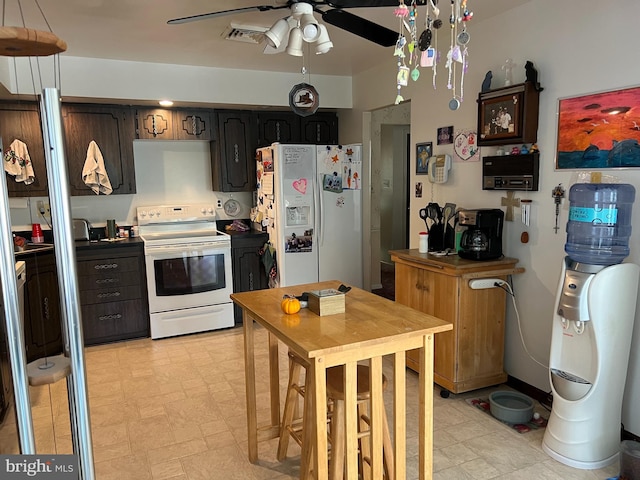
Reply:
x=509, y=289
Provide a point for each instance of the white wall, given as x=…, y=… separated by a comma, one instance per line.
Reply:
x=167, y=172
x=578, y=47
x=94, y=78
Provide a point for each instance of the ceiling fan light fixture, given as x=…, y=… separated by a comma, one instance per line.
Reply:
x=310, y=32
x=310, y=28
x=294, y=46
x=323, y=43
x=278, y=33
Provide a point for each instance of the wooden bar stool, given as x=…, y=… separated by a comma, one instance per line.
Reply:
x=290, y=426
x=335, y=393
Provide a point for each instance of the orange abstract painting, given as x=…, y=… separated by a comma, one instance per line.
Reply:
x=601, y=130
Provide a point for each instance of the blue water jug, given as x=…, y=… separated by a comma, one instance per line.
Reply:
x=599, y=224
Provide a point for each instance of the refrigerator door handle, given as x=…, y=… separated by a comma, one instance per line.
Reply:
x=317, y=197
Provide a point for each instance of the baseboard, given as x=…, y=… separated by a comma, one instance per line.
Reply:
x=546, y=400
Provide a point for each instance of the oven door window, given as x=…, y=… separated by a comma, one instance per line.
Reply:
x=189, y=274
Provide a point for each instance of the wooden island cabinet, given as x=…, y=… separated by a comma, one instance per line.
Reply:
x=471, y=355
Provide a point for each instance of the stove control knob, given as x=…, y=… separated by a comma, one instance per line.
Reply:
x=210, y=211
x=203, y=211
x=143, y=214
x=157, y=213
x=151, y=213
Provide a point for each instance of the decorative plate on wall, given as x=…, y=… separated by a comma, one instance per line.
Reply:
x=232, y=207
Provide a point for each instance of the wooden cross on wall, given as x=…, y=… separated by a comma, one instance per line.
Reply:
x=509, y=201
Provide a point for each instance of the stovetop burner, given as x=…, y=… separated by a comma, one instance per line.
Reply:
x=179, y=224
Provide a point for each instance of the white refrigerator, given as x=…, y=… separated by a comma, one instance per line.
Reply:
x=309, y=198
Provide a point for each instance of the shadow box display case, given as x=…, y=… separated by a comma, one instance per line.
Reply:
x=508, y=115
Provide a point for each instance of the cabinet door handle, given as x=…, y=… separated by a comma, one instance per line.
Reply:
x=318, y=133
x=100, y=281
x=194, y=127
x=236, y=153
x=250, y=280
x=109, y=295
x=113, y=316
x=153, y=125
x=103, y=266
x=421, y=286
x=278, y=131
x=45, y=303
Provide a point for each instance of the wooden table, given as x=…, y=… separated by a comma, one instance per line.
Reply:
x=371, y=327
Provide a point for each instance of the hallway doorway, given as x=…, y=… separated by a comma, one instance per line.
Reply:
x=393, y=201
x=385, y=215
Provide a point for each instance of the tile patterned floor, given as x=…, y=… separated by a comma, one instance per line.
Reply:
x=175, y=409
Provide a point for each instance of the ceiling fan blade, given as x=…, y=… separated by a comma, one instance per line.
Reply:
x=364, y=3
x=361, y=26
x=222, y=13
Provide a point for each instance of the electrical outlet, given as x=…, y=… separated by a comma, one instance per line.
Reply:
x=482, y=283
x=43, y=208
x=219, y=204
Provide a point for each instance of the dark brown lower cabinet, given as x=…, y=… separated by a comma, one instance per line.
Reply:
x=248, y=271
x=113, y=294
x=42, y=328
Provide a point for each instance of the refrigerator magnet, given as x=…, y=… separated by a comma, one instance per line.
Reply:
x=332, y=183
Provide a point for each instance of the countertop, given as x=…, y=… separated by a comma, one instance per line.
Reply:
x=34, y=249
x=104, y=244
x=452, y=262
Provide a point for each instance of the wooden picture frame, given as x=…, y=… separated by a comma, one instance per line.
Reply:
x=500, y=117
x=599, y=130
x=508, y=115
x=423, y=152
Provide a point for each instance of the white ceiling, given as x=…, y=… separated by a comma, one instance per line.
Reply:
x=136, y=30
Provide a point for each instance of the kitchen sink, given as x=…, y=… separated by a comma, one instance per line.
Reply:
x=33, y=247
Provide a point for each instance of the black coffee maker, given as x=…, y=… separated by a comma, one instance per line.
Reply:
x=482, y=239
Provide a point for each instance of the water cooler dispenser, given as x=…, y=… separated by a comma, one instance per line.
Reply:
x=592, y=327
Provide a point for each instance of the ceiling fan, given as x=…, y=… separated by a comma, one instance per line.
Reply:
x=334, y=15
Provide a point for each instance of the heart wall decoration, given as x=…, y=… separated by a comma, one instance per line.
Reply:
x=300, y=185
x=465, y=145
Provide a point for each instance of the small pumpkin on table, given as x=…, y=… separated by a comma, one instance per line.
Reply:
x=290, y=304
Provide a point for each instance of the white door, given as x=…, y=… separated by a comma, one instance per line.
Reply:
x=340, y=214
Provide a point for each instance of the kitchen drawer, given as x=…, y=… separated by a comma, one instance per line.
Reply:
x=112, y=294
x=104, y=322
x=108, y=266
x=108, y=279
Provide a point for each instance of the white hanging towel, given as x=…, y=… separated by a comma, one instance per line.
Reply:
x=94, y=174
x=18, y=163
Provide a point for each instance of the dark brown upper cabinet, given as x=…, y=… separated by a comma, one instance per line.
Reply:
x=320, y=129
x=155, y=124
x=183, y=124
x=287, y=127
x=193, y=125
x=281, y=127
x=21, y=121
x=112, y=127
x=233, y=164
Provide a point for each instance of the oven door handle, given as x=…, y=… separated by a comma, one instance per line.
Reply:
x=190, y=249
